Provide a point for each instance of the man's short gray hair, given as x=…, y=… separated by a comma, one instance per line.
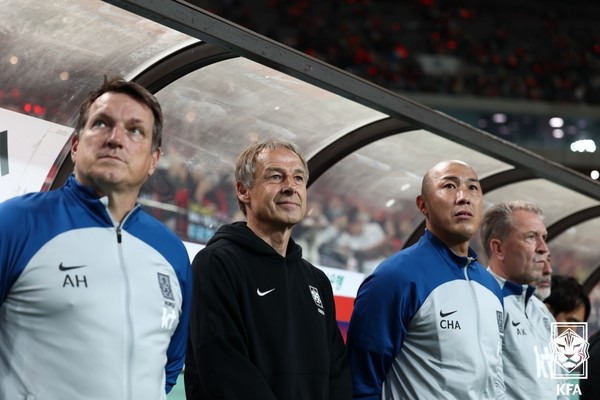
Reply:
x=497, y=221
x=245, y=167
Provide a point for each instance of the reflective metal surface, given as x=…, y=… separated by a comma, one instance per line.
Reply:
x=576, y=252
x=54, y=52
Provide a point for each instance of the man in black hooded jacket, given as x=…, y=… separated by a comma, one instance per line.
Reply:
x=263, y=323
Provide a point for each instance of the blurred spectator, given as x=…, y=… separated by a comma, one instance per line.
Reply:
x=548, y=51
x=362, y=244
x=193, y=203
x=568, y=301
x=309, y=232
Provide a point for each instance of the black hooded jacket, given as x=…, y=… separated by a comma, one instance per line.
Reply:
x=263, y=326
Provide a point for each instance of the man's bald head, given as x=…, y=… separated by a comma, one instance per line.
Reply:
x=438, y=169
x=452, y=202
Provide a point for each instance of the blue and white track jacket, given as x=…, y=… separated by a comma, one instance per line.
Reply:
x=89, y=310
x=527, y=356
x=427, y=324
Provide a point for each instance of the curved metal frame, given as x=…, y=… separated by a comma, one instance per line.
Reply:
x=352, y=141
x=179, y=64
x=576, y=218
x=592, y=281
x=154, y=78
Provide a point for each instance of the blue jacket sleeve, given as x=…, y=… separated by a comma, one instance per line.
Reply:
x=177, y=348
x=377, y=329
x=15, y=245
x=6, y=278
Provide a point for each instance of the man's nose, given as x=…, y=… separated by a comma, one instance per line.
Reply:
x=288, y=189
x=547, y=268
x=462, y=197
x=289, y=186
x=116, y=135
x=542, y=246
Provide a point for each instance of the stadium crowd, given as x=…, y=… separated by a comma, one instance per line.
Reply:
x=535, y=50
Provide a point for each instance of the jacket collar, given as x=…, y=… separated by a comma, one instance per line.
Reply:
x=97, y=205
x=513, y=289
x=442, y=248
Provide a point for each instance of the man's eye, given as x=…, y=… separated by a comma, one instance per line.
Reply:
x=99, y=123
x=299, y=178
x=136, y=133
x=276, y=177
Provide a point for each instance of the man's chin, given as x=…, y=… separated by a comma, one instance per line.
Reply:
x=465, y=234
x=542, y=293
x=293, y=220
x=108, y=181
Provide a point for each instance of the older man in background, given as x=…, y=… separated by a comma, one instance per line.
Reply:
x=514, y=237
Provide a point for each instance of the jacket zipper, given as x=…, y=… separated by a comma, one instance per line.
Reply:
x=130, y=330
x=476, y=303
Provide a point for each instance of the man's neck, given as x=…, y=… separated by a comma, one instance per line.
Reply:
x=496, y=269
x=277, y=238
x=119, y=205
x=461, y=249
x=499, y=270
x=459, y=246
x=120, y=200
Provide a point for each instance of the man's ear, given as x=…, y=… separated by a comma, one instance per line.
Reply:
x=496, y=249
x=74, y=143
x=243, y=193
x=154, y=161
x=421, y=204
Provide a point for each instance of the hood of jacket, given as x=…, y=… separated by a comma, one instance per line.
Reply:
x=240, y=234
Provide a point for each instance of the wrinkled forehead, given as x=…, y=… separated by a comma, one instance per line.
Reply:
x=279, y=158
x=121, y=105
x=454, y=170
x=525, y=221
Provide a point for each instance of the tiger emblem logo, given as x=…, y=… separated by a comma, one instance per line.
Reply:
x=569, y=350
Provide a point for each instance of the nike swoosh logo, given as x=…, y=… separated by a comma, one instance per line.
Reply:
x=63, y=268
x=515, y=323
x=261, y=294
x=444, y=315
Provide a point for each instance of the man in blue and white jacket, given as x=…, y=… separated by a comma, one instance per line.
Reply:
x=427, y=324
x=514, y=236
x=94, y=293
